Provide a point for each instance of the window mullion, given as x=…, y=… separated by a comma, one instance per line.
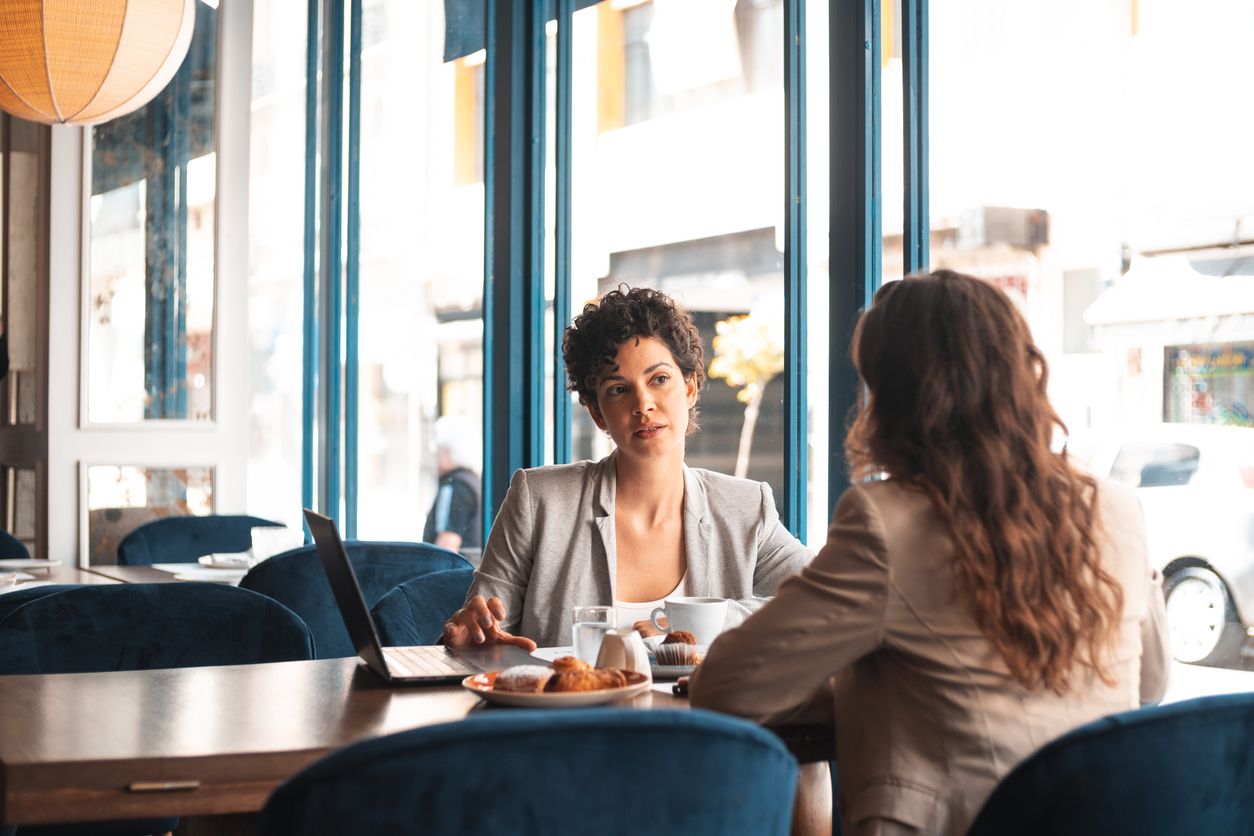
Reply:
x=914, y=98
x=331, y=291
x=352, y=293
x=854, y=224
x=514, y=260
x=311, y=349
x=796, y=462
x=561, y=232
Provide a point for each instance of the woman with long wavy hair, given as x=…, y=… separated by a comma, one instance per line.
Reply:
x=977, y=596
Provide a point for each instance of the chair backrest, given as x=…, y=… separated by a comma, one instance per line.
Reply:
x=91, y=628
x=1187, y=767
x=11, y=601
x=183, y=539
x=414, y=612
x=297, y=580
x=540, y=772
x=10, y=546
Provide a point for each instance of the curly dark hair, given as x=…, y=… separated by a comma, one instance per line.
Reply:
x=591, y=343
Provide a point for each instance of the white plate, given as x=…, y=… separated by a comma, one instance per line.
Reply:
x=670, y=671
x=10, y=579
x=548, y=654
x=240, y=560
x=12, y=564
x=205, y=575
x=481, y=684
x=27, y=585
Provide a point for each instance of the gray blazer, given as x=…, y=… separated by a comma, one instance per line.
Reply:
x=552, y=546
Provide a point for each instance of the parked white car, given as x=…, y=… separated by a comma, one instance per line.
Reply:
x=1196, y=484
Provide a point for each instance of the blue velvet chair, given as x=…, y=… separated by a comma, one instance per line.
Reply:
x=91, y=628
x=297, y=580
x=183, y=539
x=10, y=546
x=11, y=601
x=1187, y=767
x=595, y=770
x=414, y=612
x=119, y=627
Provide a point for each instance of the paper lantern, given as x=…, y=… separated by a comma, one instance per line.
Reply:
x=89, y=61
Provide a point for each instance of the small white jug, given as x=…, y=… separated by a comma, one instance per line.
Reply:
x=624, y=649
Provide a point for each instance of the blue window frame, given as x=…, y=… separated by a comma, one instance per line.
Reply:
x=513, y=300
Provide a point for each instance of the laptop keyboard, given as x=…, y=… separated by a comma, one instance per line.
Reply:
x=425, y=661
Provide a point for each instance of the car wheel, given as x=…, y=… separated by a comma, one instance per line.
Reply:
x=1202, y=621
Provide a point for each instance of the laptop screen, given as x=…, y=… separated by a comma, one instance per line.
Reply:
x=347, y=592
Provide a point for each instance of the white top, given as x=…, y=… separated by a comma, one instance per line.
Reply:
x=552, y=546
x=627, y=613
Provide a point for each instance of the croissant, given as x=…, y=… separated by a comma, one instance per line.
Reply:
x=586, y=680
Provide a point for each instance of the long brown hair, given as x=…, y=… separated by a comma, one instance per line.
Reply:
x=956, y=407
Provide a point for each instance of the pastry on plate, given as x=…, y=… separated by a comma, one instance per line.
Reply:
x=587, y=680
x=677, y=655
x=679, y=637
x=526, y=678
x=570, y=663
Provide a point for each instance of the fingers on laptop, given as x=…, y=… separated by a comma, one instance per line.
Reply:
x=502, y=637
x=477, y=622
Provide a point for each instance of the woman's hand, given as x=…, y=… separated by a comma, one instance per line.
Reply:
x=479, y=623
x=646, y=629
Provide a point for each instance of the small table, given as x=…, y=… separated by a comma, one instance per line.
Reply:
x=61, y=574
x=209, y=741
x=197, y=741
x=133, y=574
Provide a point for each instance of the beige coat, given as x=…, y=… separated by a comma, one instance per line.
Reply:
x=552, y=545
x=927, y=716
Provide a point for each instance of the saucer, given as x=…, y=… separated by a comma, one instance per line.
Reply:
x=238, y=560
x=204, y=574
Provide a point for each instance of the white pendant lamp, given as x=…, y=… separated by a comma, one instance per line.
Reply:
x=88, y=61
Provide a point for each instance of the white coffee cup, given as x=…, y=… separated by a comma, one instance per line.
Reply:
x=703, y=617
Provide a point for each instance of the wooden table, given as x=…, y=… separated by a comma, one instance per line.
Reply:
x=64, y=574
x=134, y=574
x=197, y=741
x=213, y=741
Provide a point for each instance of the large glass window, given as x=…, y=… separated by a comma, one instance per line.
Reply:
x=420, y=267
x=421, y=325
x=816, y=306
x=150, y=294
x=678, y=184
x=276, y=261
x=1093, y=192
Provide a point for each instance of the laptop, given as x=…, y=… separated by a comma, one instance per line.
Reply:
x=432, y=664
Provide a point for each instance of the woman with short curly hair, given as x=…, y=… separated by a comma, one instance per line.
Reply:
x=591, y=343
x=638, y=526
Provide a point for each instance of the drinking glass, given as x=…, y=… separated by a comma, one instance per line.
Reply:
x=590, y=626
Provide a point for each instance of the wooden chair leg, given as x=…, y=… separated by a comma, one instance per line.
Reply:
x=812, y=809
